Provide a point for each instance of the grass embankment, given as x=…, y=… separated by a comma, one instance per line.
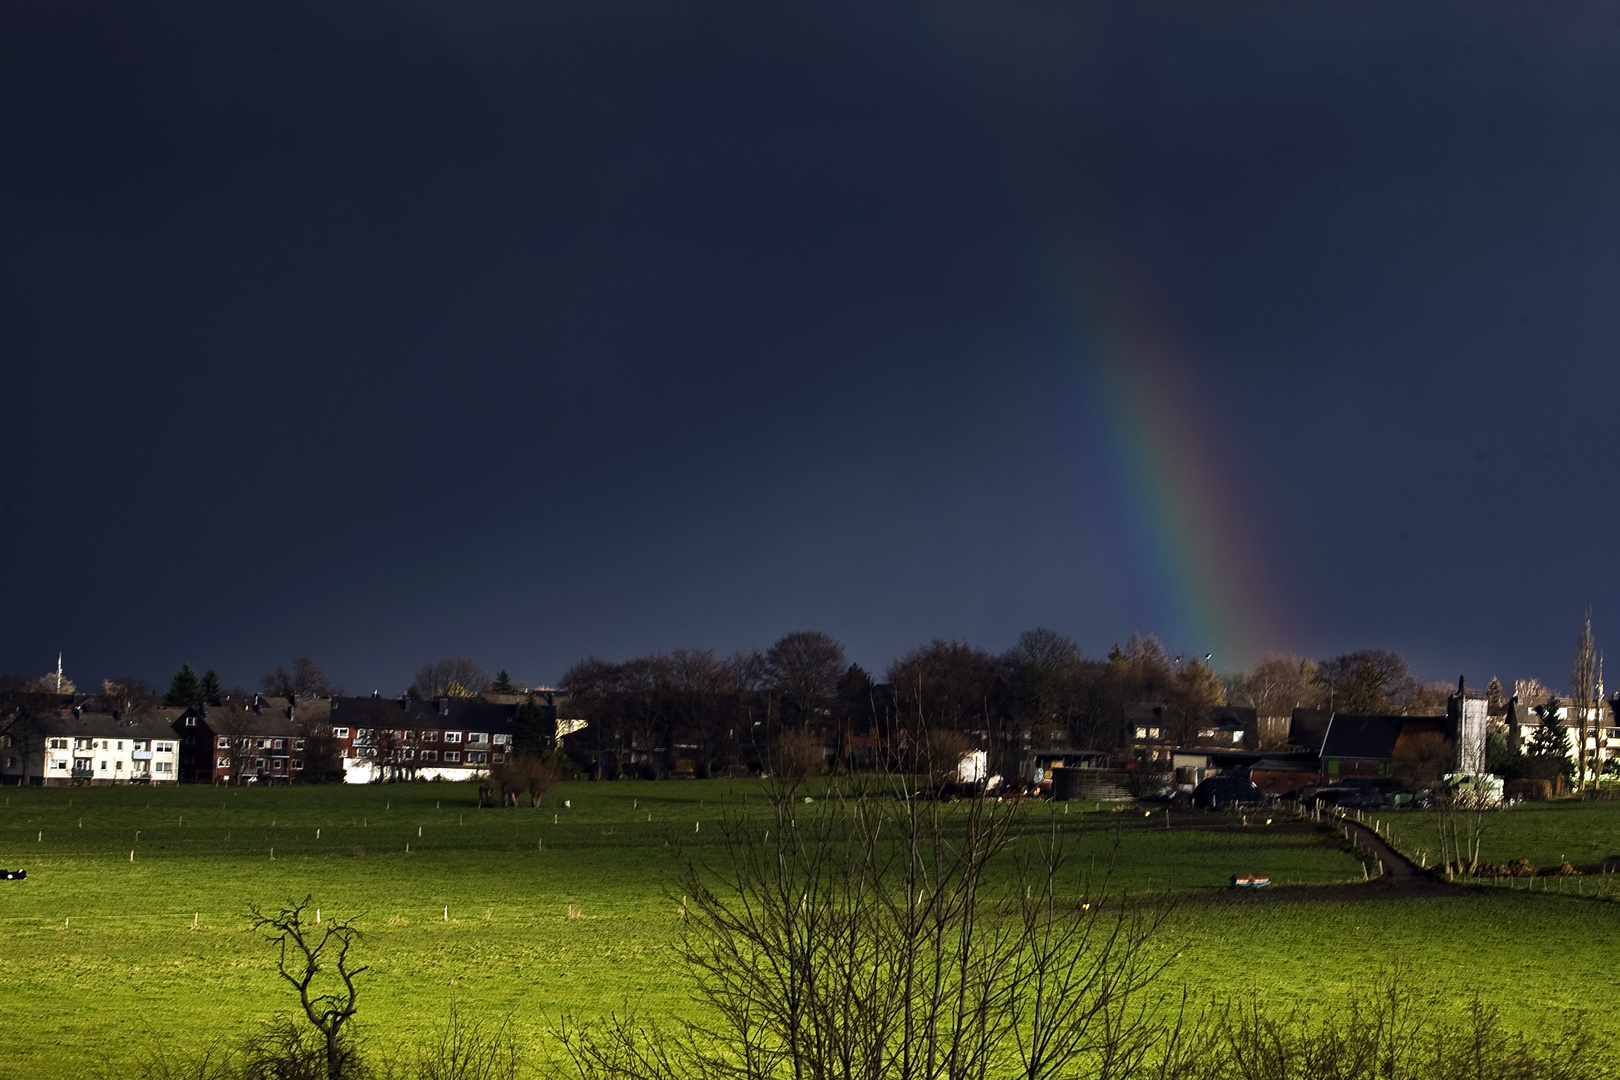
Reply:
x=566, y=910
x=1547, y=834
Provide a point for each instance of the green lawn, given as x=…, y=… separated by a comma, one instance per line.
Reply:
x=567, y=910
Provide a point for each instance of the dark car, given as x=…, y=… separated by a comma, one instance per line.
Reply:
x=1353, y=798
x=1219, y=791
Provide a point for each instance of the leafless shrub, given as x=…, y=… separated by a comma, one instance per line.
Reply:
x=469, y=1049
x=867, y=937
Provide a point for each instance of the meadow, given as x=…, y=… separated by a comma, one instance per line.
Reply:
x=132, y=927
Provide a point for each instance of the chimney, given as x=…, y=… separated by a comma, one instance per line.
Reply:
x=444, y=706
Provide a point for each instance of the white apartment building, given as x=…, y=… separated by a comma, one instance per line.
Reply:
x=75, y=747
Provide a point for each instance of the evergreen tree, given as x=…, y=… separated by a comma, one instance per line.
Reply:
x=185, y=689
x=503, y=684
x=536, y=728
x=210, y=687
x=1551, y=738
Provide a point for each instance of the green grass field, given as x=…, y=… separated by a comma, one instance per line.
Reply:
x=536, y=913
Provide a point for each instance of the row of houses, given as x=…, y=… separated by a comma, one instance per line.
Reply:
x=272, y=740
x=1317, y=747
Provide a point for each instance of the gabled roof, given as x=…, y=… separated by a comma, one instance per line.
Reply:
x=91, y=725
x=1351, y=735
x=1308, y=727
x=273, y=717
x=453, y=714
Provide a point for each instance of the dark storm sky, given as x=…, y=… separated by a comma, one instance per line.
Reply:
x=531, y=330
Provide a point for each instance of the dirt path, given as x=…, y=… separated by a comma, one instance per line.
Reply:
x=1399, y=880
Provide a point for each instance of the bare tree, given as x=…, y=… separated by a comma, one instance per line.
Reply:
x=1462, y=818
x=1043, y=670
x=1423, y=759
x=1277, y=685
x=307, y=952
x=1368, y=681
x=452, y=676
x=1584, y=693
x=803, y=670
x=886, y=934
x=302, y=678
x=128, y=696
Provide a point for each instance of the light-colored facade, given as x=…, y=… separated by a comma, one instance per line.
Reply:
x=74, y=747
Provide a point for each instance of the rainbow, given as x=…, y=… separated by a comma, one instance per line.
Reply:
x=1184, y=551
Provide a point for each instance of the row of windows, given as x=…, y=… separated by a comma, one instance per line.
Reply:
x=368, y=735
x=451, y=757
x=111, y=744
x=91, y=765
x=247, y=742
x=276, y=764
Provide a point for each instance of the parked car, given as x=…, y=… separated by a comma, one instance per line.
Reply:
x=1228, y=790
x=1352, y=798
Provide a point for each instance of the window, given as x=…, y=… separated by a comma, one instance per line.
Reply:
x=120, y=744
x=476, y=757
x=280, y=743
x=430, y=736
x=297, y=764
x=118, y=766
x=341, y=733
x=298, y=744
x=430, y=755
x=191, y=721
x=165, y=747
x=59, y=764
x=103, y=766
x=165, y=766
x=82, y=744
x=258, y=763
x=58, y=744
x=499, y=758
x=451, y=755
x=276, y=763
x=222, y=763
x=224, y=742
x=410, y=755
x=478, y=736
x=452, y=736
x=263, y=744
x=503, y=740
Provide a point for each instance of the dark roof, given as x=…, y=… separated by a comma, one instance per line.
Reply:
x=1350, y=735
x=1243, y=715
x=273, y=717
x=454, y=714
x=1308, y=727
x=91, y=725
x=1272, y=764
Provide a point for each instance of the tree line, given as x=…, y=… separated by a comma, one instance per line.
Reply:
x=694, y=710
